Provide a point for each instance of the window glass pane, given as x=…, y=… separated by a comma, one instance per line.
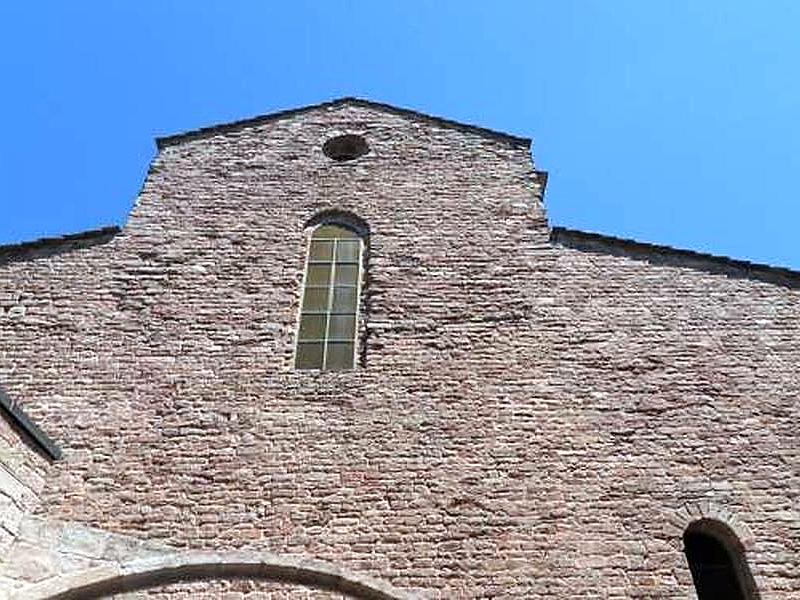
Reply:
x=315, y=300
x=328, y=320
x=342, y=327
x=346, y=275
x=312, y=327
x=333, y=231
x=340, y=356
x=344, y=300
x=347, y=251
x=309, y=355
x=318, y=274
x=321, y=251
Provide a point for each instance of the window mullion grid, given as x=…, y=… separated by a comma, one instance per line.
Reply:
x=330, y=306
x=359, y=263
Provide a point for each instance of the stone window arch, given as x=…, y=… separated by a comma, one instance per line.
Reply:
x=717, y=562
x=327, y=333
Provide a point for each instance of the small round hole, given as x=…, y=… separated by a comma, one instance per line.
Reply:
x=345, y=147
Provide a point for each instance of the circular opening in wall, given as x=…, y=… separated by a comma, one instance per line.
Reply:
x=345, y=147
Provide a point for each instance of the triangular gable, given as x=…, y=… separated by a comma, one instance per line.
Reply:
x=170, y=140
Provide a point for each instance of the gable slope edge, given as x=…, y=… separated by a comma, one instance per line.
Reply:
x=170, y=140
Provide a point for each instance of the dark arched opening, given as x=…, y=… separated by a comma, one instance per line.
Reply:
x=717, y=562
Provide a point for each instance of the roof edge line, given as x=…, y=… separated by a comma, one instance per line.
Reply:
x=24, y=422
x=89, y=234
x=172, y=139
x=597, y=242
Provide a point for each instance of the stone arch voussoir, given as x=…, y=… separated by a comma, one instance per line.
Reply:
x=114, y=578
x=678, y=521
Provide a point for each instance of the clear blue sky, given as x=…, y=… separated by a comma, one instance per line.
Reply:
x=668, y=121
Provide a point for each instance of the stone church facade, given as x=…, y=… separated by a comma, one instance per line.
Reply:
x=513, y=410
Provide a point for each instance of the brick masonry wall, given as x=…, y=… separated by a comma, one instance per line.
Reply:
x=528, y=420
x=231, y=589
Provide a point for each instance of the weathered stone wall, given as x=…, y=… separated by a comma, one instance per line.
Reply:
x=51, y=559
x=22, y=477
x=527, y=421
x=46, y=550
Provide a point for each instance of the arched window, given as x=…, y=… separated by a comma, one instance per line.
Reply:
x=717, y=562
x=328, y=317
